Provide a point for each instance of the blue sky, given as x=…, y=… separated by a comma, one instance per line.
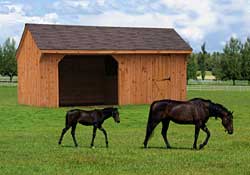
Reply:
x=210, y=21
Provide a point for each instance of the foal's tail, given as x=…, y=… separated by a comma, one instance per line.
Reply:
x=71, y=116
x=67, y=119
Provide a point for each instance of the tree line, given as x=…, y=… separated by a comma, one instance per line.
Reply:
x=8, y=64
x=233, y=63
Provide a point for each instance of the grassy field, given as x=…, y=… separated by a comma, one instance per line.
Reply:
x=29, y=135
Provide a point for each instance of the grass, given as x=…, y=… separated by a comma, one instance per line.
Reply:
x=29, y=135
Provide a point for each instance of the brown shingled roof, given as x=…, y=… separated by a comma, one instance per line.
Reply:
x=68, y=37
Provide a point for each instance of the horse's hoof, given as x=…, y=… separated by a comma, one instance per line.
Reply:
x=59, y=143
x=169, y=147
x=92, y=147
x=201, y=146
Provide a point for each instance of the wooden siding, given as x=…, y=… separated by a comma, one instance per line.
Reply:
x=28, y=71
x=145, y=78
x=37, y=75
x=49, y=83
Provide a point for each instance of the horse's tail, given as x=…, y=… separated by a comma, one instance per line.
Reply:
x=150, y=119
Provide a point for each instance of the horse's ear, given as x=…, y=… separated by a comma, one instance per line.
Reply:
x=232, y=112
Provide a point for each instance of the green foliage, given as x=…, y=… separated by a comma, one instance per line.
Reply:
x=245, y=63
x=216, y=62
x=192, y=67
x=29, y=135
x=8, y=65
x=1, y=58
x=202, y=60
x=231, y=62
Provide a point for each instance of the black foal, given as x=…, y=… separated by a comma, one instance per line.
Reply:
x=94, y=117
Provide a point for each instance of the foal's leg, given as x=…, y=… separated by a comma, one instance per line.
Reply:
x=197, y=130
x=204, y=128
x=73, y=133
x=105, y=134
x=150, y=129
x=93, y=137
x=63, y=132
x=164, y=130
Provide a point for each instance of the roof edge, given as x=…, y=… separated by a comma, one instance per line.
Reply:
x=102, y=26
x=101, y=52
x=21, y=41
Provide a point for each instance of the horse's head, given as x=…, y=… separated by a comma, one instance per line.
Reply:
x=115, y=115
x=227, y=121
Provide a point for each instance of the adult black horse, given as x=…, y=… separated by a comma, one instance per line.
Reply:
x=195, y=111
x=94, y=117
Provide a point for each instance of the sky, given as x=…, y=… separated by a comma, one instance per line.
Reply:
x=210, y=21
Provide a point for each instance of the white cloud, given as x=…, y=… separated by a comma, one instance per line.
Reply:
x=72, y=3
x=116, y=18
x=199, y=17
x=100, y=2
x=12, y=22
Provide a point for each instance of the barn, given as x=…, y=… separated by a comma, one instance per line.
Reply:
x=67, y=65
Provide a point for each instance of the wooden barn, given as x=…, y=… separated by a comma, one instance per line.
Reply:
x=62, y=65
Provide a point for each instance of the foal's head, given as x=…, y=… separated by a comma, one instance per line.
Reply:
x=115, y=115
x=110, y=111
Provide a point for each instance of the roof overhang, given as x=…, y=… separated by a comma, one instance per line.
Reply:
x=104, y=52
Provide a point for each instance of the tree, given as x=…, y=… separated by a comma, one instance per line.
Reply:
x=245, y=62
x=215, y=58
x=231, y=62
x=202, y=60
x=192, y=67
x=1, y=57
x=8, y=65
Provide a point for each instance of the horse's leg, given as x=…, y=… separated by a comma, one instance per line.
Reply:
x=196, y=134
x=63, y=132
x=73, y=129
x=93, y=137
x=106, y=136
x=164, y=130
x=150, y=129
x=204, y=128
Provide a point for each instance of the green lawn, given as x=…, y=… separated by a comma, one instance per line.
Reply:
x=29, y=135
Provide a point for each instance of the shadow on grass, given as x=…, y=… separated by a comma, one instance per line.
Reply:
x=87, y=147
x=172, y=148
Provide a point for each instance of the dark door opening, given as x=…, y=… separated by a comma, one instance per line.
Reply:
x=88, y=80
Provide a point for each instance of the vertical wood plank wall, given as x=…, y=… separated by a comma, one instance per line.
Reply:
x=142, y=78
x=49, y=83
x=37, y=75
x=28, y=72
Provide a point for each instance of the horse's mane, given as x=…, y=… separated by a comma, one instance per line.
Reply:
x=107, y=109
x=214, y=106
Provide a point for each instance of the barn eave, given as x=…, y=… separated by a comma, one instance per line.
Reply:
x=101, y=52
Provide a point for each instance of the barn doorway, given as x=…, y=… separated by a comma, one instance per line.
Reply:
x=88, y=80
